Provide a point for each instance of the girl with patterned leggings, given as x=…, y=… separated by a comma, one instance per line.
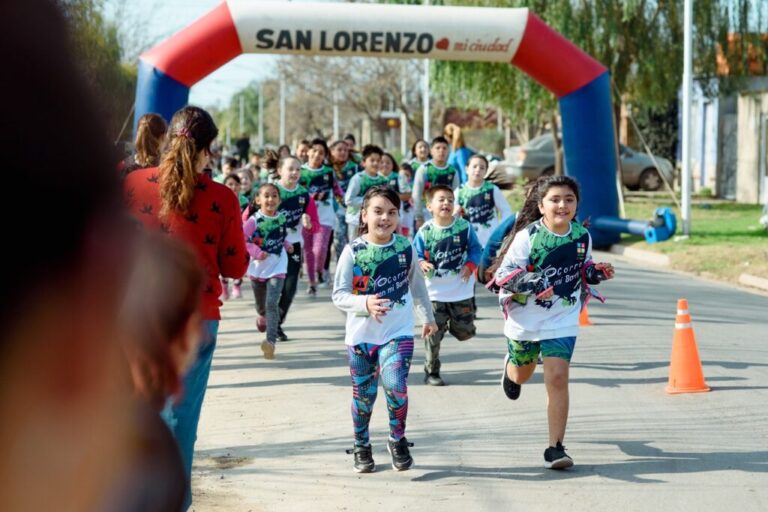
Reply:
x=379, y=284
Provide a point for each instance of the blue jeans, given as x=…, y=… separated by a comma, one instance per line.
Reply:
x=182, y=417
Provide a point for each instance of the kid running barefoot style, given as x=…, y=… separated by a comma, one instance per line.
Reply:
x=379, y=284
x=543, y=281
x=300, y=211
x=481, y=202
x=265, y=240
x=448, y=253
x=435, y=172
x=359, y=185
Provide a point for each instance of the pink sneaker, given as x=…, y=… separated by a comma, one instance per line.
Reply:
x=236, y=293
x=224, y=291
x=261, y=323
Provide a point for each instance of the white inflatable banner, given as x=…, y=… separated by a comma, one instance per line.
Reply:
x=379, y=30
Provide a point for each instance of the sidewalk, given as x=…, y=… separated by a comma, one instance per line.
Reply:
x=273, y=433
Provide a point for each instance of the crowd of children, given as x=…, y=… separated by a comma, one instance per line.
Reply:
x=409, y=239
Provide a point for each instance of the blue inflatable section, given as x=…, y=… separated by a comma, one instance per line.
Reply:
x=590, y=156
x=157, y=92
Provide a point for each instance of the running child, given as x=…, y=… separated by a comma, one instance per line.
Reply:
x=265, y=240
x=405, y=186
x=435, y=172
x=544, y=271
x=359, y=185
x=481, y=202
x=320, y=180
x=379, y=284
x=300, y=212
x=449, y=253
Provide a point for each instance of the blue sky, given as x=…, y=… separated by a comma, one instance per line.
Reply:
x=159, y=19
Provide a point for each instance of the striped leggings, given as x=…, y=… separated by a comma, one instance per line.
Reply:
x=315, y=250
x=366, y=362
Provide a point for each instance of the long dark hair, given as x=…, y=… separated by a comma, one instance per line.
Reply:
x=529, y=212
x=377, y=191
x=192, y=131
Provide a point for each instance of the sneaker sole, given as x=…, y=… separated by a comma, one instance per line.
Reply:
x=563, y=463
x=268, y=349
x=410, y=466
x=372, y=469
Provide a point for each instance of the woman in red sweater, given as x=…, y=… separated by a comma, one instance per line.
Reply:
x=181, y=200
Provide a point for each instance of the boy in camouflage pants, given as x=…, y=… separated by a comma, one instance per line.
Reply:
x=449, y=252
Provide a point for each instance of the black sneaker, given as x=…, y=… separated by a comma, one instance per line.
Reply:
x=281, y=335
x=510, y=387
x=433, y=379
x=312, y=291
x=556, y=458
x=363, y=459
x=401, y=455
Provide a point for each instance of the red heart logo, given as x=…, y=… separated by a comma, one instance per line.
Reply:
x=442, y=44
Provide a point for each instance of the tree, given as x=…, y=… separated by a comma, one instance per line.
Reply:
x=100, y=58
x=364, y=88
x=639, y=41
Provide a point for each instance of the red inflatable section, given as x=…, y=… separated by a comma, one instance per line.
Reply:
x=198, y=50
x=553, y=61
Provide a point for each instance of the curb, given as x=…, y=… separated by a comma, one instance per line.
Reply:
x=754, y=281
x=653, y=258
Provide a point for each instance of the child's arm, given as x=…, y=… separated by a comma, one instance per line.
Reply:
x=421, y=303
x=342, y=295
x=311, y=212
x=232, y=255
x=421, y=252
x=474, y=253
x=254, y=251
x=513, y=275
x=594, y=273
x=417, y=193
x=501, y=204
x=353, y=197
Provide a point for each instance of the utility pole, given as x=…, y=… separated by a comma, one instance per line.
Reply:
x=427, y=115
x=403, y=117
x=242, y=115
x=687, y=86
x=261, y=116
x=282, y=110
x=335, y=114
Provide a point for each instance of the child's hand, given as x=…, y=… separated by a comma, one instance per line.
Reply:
x=606, y=269
x=289, y=249
x=466, y=273
x=428, y=329
x=306, y=222
x=263, y=256
x=426, y=266
x=377, y=307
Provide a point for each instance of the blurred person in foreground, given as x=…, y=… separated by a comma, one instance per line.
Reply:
x=69, y=433
x=179, y=199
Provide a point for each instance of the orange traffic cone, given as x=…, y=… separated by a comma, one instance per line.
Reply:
x=584, y=317
x=685, y=373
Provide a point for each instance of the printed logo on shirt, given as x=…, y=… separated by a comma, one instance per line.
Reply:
x=380, y=270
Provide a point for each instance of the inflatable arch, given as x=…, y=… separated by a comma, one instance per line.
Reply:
x=515, y=36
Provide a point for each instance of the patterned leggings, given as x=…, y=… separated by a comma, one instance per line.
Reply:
x=366, y=362
x=315, y=250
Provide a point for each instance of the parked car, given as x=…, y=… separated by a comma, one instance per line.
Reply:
x=537, y=158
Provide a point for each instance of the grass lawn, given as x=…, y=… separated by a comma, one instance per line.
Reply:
x=726, y=239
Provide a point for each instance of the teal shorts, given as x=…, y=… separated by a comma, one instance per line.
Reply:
x=523, y=353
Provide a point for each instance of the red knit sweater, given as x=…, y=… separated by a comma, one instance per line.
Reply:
x=212, y=227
